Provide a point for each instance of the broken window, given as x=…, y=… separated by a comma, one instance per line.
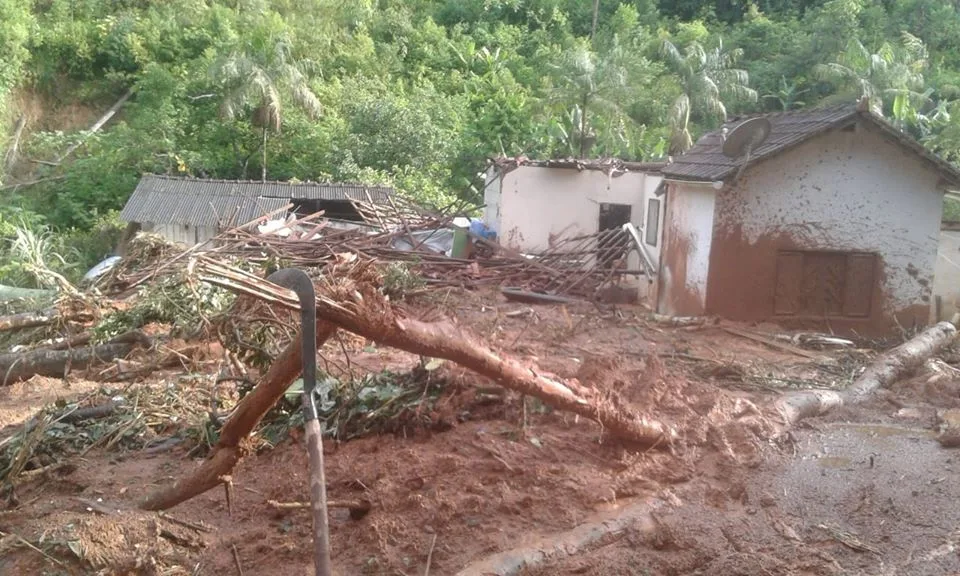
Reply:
x=652, y=229
x=824, y=284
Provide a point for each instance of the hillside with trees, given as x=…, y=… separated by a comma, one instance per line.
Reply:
x=416, y=93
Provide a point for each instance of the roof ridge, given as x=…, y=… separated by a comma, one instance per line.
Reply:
x=794, y=112
x=261, y=182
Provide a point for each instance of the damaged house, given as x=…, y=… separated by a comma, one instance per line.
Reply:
x=833, y=220
x=534, y=205
x=193, y=210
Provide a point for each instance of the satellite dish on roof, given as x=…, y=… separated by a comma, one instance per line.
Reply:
x=744, y=139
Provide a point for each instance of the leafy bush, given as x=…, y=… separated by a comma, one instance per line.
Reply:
x=400, y=279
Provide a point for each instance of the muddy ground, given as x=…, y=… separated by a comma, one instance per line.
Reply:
x=863, y=491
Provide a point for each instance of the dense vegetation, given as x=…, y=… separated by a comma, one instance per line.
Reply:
x=418, y=92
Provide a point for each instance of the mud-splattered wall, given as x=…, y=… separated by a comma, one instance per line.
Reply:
x=844, y=228
x=685, y=261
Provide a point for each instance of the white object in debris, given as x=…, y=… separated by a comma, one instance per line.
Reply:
x=274, y=227
x=820, y=341
x=102, y=268
x=439, y=241
x=461, y=222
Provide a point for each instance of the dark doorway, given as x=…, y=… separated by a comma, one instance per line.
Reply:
x=614, y=215
x=612, y=246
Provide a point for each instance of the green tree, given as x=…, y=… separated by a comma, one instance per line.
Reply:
x=707, y=78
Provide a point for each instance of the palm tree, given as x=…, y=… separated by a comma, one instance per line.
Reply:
x=707, y=78
x=252, y=81
x=893, y=74
x=588, y=84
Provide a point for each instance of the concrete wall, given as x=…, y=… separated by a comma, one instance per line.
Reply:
x=847, y=191
x=491, y=199
x=946, y=282
x=538, y=205
x=685, y=256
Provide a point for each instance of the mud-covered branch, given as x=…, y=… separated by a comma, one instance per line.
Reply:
x=248, y=413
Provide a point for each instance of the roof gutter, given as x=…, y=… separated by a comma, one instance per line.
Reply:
x=715, y=184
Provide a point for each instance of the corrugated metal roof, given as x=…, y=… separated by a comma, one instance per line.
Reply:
x=167, y=199
x=706, y=162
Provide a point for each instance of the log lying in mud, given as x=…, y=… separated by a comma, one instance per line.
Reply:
x=885, y=370
x=248, y=413
x=58, y=363
x=636, y=517
x=35, y=319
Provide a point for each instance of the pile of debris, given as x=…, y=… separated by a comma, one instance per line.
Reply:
x=445, y=248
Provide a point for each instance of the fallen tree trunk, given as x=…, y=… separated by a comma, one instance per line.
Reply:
x=57, y=363
x=35, y=319
x=96, y=126
x=885, y=370
x=15, y=293
x=357, y=306
x=248, y=413
x=636, y=517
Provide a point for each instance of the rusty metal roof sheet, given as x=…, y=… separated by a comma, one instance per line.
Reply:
x=706, y=162
x=167, y=199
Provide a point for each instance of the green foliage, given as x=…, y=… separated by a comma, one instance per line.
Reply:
x=15, y=23
x=187, y=307
x=31, y=251
x=376, y=403
x=951, y=210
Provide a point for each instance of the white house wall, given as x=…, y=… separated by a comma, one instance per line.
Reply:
x=184, y=233
x=847, y=191
x=685, y=258
x=540, y=205
x=946, y=283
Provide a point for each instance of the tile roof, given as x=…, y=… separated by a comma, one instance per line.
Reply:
x=201, y=202
x=706, y=162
